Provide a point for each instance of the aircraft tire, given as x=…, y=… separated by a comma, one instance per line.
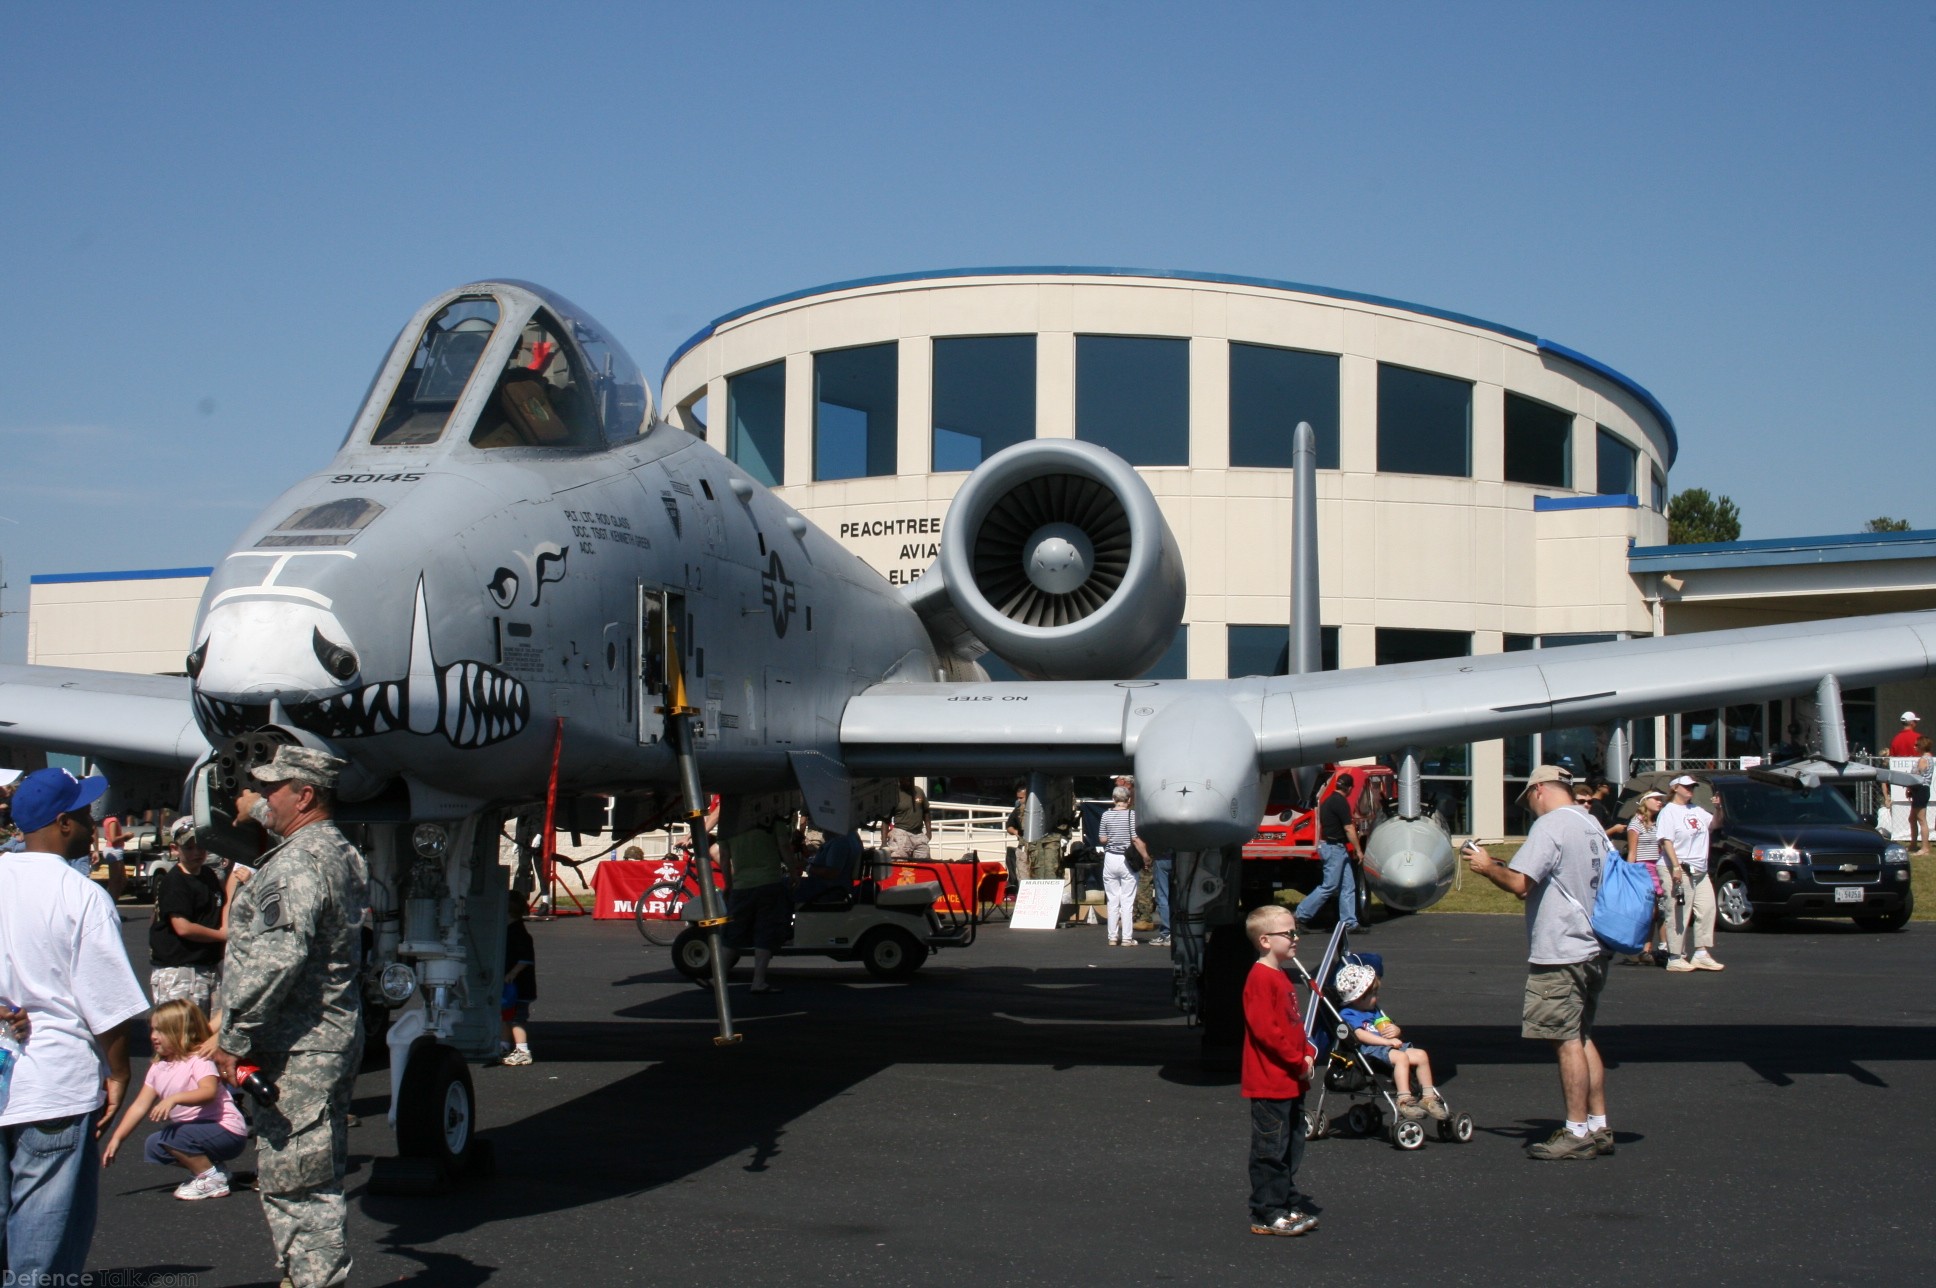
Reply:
x=437, y=1108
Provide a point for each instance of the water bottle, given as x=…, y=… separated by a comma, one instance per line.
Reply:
x=9, y=1055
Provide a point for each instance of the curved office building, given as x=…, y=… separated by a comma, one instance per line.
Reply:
x=1479, y=487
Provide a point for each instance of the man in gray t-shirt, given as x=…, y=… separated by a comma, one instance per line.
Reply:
x=1557, y=873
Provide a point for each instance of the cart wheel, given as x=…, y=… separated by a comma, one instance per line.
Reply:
x=1362, y=1120
x=1447, y=1130
x=692, y=956
x=892, y=954
x=1313, y=1126
x=1462, y=1129
x=1408, y=1133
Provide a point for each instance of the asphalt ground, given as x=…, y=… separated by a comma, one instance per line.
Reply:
x=1031, y=1108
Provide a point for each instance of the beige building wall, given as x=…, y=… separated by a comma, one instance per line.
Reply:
x=114, y=622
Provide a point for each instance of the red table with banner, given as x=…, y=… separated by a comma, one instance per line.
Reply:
x=617, y=885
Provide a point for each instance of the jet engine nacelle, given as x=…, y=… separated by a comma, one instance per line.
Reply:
x=1409, y=863
x=1055, y=556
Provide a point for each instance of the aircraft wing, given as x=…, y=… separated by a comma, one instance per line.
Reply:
x=106, y=715
x=1213, y=739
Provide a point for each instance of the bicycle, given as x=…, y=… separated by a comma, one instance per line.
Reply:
x=660, y=911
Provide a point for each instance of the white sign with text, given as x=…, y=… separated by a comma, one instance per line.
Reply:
x=1038, y=906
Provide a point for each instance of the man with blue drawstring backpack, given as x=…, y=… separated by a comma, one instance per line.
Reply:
x=1564, y=854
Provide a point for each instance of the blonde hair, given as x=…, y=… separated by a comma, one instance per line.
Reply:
x=181, y=1024
x=1265, y=918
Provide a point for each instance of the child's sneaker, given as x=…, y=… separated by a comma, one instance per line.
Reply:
x=1603, y=1141
x=1408, y=1107
x=211, y=1184
x=1435, y=1104
x=519, y=1056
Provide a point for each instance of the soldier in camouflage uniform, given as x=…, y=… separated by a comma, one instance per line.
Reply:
x=293, y=1008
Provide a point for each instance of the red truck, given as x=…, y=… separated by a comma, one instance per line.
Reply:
x=1284, y=853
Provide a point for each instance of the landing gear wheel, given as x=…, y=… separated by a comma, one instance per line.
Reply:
x=437, y=1109
x=667, y=897
x=1456, y=1129
x=892, y=954
x=1362, y=1120
x=1314, y=1126
x=1408, y=1133
x=692, y=956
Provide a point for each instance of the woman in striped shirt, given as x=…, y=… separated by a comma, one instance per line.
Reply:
x=1117, y=833
x=1643, y=846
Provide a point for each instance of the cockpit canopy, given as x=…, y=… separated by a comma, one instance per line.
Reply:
x=505, y=364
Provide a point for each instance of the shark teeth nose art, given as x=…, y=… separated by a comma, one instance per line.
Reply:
x=470, y=704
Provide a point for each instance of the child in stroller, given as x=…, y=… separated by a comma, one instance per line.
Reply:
x=1371, y=1083
x=1382, y=1042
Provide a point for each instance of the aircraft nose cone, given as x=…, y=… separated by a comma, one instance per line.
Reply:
x=258, y=650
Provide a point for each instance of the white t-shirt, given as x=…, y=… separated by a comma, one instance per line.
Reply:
x=1685, y=828
x=61, y=958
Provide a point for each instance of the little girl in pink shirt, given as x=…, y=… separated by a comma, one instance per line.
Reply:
x=204, y=1128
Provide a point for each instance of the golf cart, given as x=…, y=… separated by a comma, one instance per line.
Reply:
x=888, y=928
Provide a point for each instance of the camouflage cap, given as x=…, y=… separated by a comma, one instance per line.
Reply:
x=301, y=765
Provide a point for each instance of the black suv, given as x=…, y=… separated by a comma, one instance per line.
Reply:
x=1782, y=851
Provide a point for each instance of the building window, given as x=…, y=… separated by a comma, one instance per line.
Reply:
x=1445, y=771
x=1271, y=390
x=1266, y=650
x=1175, y=662
x=1539, y=443
x=984, y=397
x=856, y=394
x=1424, y=423
x=1618, y=462
x=1660, y=491
x=756, y=422
x=1133, y=397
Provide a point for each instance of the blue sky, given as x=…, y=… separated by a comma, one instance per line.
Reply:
x=216, y=217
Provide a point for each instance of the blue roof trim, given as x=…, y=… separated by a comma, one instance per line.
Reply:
x=1222, y=279
x=1854, y=547
x=1627, y=383
x=142, y=574
x=1607, y=501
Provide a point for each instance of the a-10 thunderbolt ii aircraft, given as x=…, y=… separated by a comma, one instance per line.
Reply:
x=509, y=537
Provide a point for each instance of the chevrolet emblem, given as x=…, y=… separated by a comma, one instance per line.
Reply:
x=1848, y=867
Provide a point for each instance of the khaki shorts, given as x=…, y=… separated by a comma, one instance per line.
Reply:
x=1561, y=1000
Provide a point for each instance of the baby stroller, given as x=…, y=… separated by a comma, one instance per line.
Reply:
x=1366, y=1084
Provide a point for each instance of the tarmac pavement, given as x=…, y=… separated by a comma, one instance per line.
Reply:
x=1033, y=1109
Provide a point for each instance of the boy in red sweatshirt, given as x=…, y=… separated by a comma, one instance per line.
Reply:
x=1277, y=1069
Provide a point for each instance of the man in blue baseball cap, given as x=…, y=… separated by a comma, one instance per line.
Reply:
x=61, y=961
x=44, y=798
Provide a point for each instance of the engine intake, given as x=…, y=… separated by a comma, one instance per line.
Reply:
x=1055, y=556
